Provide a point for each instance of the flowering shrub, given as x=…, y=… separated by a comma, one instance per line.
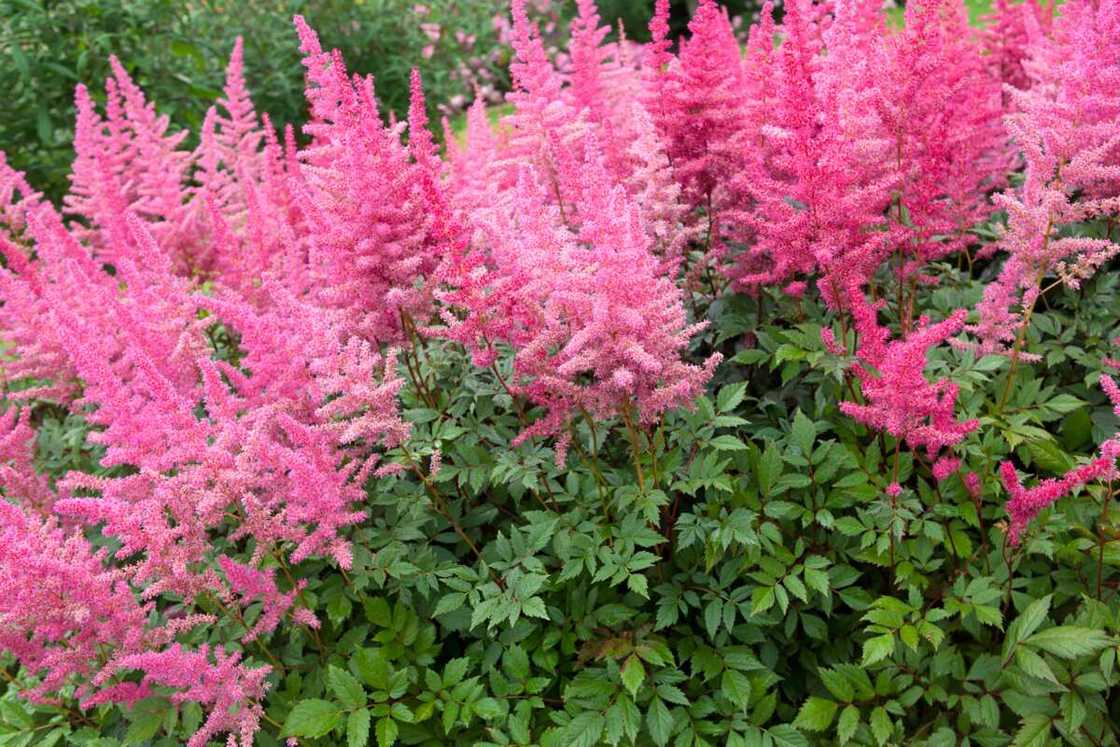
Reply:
x=718, y=394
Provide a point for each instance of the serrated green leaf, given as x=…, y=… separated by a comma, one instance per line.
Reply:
x=816, y=714
x=848, y=723
x=736, y=687
x=804, y=433
x=878, y=648
x=731, y=396
x=357, y=728
x=1070, y=642
x=1033, y=732
x=312, y=718
x=633, y=673
x=386, y=732
x=659, y=722
x=346, y=687
x=881, y=726
x=727, y=442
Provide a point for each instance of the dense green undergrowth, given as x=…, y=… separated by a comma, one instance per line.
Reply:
x=737, y=575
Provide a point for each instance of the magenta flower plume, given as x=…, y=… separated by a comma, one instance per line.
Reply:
x=899, y=399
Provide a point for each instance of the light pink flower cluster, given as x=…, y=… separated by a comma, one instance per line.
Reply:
x=864, y=142
x=567, y=263
x=1067, y=125
x=18, y=476
x=62, y=610
x=272, y=442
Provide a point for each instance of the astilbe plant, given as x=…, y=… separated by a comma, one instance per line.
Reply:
x=238, y=324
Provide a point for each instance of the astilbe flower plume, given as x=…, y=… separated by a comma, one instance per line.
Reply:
x=697, y=103
x=22, y=484
x=231, y=691
x=940, y=110
x=899, y=399
x=815, y=179
x=364, y=256
x=16, y=198
x=1068, y=128
x=61, y=608
x=128, y=160
x=595, y=323
x=1007, y=37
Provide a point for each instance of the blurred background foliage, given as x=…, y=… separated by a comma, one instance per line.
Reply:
x=177, y=51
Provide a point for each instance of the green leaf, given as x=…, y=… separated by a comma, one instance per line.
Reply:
x=848, y=723
x=736, y=687
x=881, y=726
x=660, y=722
x=1048, y=455
x=731, y=396
x=386, y=732
x=1034, y=665
x=357, y=728
x=378, y=612
x=371, y=666
x=1034, y=731
x=346, y=687
x=454, y=672
x=816, y=714
x=713, y=613
x=878, y=648
x=1070, y=642
x=312, y=718
x=727, y=442
x=769, y=468
x=633, y=673
x=585, y=730
x=1064, y=403
x=804, y=433
x=449, y=603
x=785, y=735
x=840, y=686
x=487, y=708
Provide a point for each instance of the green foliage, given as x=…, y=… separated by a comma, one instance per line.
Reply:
x=176, y=51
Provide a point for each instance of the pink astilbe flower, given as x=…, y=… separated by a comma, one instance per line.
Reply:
x=469, y=181
x=607, y=83
x=595, y=323
x=1006, y=36
x=61, y=608
x=546, y=130
x=973, y=485
x=1068, y=127
x=230, y=165
x=251, y=585
x=941, y=111
x=944, y=467
x=227, y=688
x=21, y=483
x=899, y=399
x=701, y=108
x=16, y=198
x=130, y=153
x=816, y=181
x=365, y=256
